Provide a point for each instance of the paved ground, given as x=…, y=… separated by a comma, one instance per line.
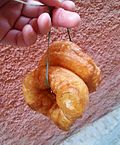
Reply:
x=105, y=131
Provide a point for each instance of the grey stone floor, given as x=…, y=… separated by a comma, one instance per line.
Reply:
x=105, y=131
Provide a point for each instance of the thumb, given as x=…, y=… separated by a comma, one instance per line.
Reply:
x=64, y=18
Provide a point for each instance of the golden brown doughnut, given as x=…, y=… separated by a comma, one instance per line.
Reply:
x=70, y=56
x=72, y=74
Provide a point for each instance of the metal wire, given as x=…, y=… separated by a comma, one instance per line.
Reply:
x=68, y=31
x=48, y=62
x=48, y=59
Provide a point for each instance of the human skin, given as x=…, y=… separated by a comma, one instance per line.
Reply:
x=22, y=24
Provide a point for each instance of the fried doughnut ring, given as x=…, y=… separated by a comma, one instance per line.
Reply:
x=72, y=75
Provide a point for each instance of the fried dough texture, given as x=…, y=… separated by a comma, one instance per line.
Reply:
x=72, y=76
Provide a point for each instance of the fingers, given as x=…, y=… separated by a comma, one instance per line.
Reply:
x=25, y=30
x=44, y=23
x=4, y=27
x=63, y=18
x=34, y=24
x=34, y=11
x=21, y=22
x=10, y=37
x=36, y=20
x=67, y=4
x=26, y=37
x=29, y=35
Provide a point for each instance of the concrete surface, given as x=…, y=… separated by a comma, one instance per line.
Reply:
x=105, y=131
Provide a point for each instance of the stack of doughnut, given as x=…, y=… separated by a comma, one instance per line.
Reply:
x=72, y=76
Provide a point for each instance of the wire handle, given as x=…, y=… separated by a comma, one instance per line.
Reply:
x=48, y=55
x=47, y=62
x=68, y=32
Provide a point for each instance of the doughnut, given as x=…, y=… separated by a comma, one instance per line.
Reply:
x=72, y=76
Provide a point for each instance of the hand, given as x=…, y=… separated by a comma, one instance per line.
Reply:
x=20, y=24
